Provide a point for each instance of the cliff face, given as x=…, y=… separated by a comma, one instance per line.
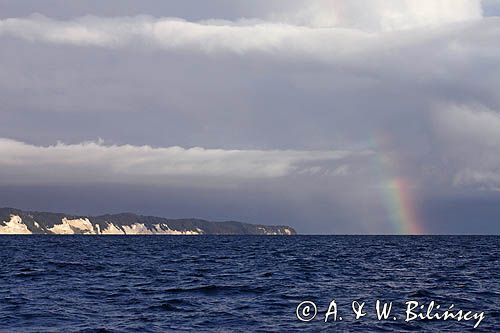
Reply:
x=17, y=222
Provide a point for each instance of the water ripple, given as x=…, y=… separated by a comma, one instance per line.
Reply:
x=239, y=284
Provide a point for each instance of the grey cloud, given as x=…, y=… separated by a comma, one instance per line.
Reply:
x=471, y=138
x=288, y=96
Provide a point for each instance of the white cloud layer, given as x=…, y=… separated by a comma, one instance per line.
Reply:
x=94, y=162
x=173, y=33
x=176, y=34
x=294, y=29
x=379, y=15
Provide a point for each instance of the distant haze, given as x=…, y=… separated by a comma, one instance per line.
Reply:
x=340, y=116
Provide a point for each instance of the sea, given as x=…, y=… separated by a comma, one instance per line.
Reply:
x=248, y=283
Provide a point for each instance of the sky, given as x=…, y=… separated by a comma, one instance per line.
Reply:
x=331, y=116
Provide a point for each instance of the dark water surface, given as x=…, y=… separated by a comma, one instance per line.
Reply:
x=247, y=283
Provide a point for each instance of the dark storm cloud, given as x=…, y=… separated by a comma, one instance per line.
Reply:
x=410, y=96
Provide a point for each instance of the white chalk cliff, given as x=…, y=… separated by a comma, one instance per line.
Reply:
x=16, y=222
x=15, y=226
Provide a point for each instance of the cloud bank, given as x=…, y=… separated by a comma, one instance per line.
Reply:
x=379, y=15
x=94, y=162
x=308, y=27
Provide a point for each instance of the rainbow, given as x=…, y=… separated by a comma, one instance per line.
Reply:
x=397, y=193
x=401, y=208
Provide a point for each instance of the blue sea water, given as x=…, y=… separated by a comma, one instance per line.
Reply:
x=242, y=283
